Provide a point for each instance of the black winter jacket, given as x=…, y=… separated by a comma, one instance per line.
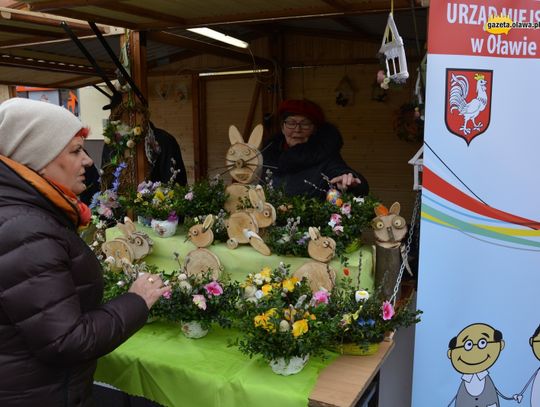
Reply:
x=52, y=324
x=292, y=166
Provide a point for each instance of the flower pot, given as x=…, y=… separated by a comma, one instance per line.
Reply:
x=193, y=330
x=357, y=350
x=164, y=228
x=144, y=220
x=293, y=366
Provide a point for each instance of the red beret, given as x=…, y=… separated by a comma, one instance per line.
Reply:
x=302, y=108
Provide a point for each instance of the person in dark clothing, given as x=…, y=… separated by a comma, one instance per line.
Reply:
x=163, y=152
x=306, y=150
x=53, y=325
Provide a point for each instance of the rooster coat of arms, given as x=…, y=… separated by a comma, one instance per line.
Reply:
x=468, y=102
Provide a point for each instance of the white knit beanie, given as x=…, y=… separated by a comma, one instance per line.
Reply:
x=33, y=133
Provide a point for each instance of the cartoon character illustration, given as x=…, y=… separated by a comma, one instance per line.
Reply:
x=469, y=110
x=472, y=352
x=534, y=341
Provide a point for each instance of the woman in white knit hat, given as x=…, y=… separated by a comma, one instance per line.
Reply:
x=53, y=326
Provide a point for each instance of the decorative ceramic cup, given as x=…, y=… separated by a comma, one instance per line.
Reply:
x=164, y=228
x=193, y=330
x=295, y=365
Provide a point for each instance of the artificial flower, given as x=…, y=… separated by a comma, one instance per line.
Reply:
x=213, y=288
x=299, y=328
x=361, y=295
x=321, y=297
x=387, y=310
x=199, y=301
x=289, y=283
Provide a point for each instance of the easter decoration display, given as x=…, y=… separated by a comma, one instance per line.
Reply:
x=318, y=272
x=244, y=162
x=201, y=260
x=132, y=246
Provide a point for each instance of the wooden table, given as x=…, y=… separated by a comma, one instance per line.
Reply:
x=344, y=381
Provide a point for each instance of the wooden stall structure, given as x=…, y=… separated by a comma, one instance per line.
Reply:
x=309, y=50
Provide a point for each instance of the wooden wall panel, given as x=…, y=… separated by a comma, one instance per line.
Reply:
x=170, y=113
x=228, y=102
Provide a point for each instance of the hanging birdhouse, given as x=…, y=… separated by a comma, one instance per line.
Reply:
x=344, y=92
x=393, y=51
x=417, y=162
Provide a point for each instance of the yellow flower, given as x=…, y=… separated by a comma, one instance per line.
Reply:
x=310, y=316
x=265, y=273
x=266, y=289
x=299, y=328
x=159, y=195
x=289, y=284
x=137, y=131
x=287, y=313
x=264, y=321
x=346, y=320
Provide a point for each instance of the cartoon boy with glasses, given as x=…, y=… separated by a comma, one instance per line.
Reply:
x=472, y=352
x=534, y=341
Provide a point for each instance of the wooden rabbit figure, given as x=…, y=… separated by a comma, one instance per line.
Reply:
x=319, y=274
x=389, y=229
x=132, y=246
x=242, y=227
x=201, y=260
x=263, y=212
x=245, y=163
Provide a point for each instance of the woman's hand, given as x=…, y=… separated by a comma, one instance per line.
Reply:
x=150, y=287
x=345, y=181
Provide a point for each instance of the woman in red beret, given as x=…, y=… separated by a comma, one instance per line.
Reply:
x=305, y=150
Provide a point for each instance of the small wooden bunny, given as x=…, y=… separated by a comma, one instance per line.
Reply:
x=245, y=162
x=242, y=227
x=263, y=212
x=132, y=246
x=201, y=260
x=319, y=274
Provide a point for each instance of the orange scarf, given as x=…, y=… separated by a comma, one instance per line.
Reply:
x=59, y=195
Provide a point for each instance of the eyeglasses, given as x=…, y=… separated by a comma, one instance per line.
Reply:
x=481, y=344
x=304, y=125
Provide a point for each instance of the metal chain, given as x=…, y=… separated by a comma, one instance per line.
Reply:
x=405, y=255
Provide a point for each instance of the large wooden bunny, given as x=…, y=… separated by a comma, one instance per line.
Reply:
x=201, y=260
x=245, y=162
x=318, y=272
x=132, y=246
x=389, y=230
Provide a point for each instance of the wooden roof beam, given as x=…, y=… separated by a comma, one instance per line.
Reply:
x=331, y=34
x=42, y=65
x=203, y=47
x=79, y=15
x=58, y=4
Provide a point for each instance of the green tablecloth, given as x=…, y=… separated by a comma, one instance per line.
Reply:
x=245, y=259
x=159, y=363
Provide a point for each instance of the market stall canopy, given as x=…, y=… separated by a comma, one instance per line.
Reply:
x=166, y=24
x=36, y=51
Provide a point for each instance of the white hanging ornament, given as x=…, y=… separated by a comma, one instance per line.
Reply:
x=394, y=53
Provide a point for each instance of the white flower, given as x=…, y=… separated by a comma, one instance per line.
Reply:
x=110, y=260
x=358, y=199
x=184, y=286
x=130, y=144
x=106, y=140
x=259, y=294
x=284, y=326
x=249, y=291
x=182, y=277
x=361, y=295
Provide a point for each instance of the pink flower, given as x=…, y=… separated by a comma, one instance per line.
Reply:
x=387, y=311
x=213, y=288
x=346, y=209
x=167, y=295
x=338, y=230
x=335, y=219
x=321, y=297
x=199, y=301
x=189, y=196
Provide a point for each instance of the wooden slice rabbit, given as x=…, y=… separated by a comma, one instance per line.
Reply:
x=242, y=228
x=132, y=246
x=318, y=273
x=245, y=163
x=201, y=260
x=389, y=228
x=263, y=212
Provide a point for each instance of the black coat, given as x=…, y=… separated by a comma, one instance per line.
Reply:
x=292, y=166
x=52, y=324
